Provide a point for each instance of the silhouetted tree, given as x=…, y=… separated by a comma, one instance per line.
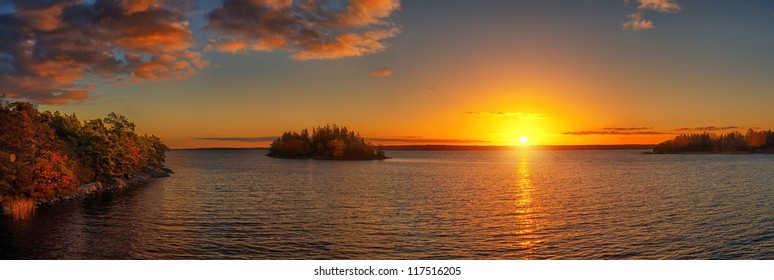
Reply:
x=752, y=141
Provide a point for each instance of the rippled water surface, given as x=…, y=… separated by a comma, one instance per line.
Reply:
x=521, y=204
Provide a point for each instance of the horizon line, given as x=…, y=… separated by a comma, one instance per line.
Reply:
x=472, y=147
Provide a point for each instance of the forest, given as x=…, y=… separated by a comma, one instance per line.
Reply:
x=44, y=155
x=733, y=142
x=328, y=142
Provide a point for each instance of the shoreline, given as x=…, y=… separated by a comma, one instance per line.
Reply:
x=464, y=147
x=135, y=179
x=143, y=177
x=331, y=158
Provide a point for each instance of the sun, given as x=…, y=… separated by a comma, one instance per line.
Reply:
x=523, y=139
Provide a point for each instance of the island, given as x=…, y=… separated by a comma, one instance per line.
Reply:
x=730, y=143
x=329, y=142
x=46, y=157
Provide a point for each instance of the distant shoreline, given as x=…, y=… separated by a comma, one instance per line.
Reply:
x=474, y=148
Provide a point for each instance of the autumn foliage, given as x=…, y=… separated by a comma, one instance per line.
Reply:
x=45, y=154
x=329, y=142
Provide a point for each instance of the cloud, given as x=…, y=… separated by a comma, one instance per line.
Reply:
x=626, y=128
x=381, y=72
x=613, y=132
x=636, y=20
x=308, y=29
x=659, y=6
x=708, y=128
x=644, y=130
x=240, y=139
x=402, y=139
x=412, y=139
x=520, y=115
x=637, y=23
x=56, y=52
x=713, y=128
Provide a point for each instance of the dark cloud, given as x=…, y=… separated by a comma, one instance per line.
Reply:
x=713, y=128
x=707, y=128
x=55, y=52
x=613, y=132
x=626, y=128
x=308, y=29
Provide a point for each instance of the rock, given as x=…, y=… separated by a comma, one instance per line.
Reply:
x=117, y=184
x=90, y=188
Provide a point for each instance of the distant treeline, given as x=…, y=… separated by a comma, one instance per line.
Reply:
x=734, y=142
x=329, y=142
x=45, y=154
x=503, y=148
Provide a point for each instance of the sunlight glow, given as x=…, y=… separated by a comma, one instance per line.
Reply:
x=523, y=140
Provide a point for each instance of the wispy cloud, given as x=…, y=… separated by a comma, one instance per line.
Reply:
x=308, y=29
x=398, y=139
x=55, y=52
x=520, y=115
x=708, y=128
x=614, y=132
x=381, y=72
x=713, y=128
x=659, y=5
x=637, y=22
x=411, y=139
x=239, y=139
x=627, y=128
x=645, y=130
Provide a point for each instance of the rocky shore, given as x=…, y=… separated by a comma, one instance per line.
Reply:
x=131, y=180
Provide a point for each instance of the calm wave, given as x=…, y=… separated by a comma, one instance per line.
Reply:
x=520, y=204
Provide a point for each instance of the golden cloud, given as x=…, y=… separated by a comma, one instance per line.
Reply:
x=307, y=29
x=53, y=52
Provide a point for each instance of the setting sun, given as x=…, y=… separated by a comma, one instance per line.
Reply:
x=523, y=140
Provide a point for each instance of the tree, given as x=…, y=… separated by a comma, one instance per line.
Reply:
x=330, y=142
x=32, y=160
x=752, y=141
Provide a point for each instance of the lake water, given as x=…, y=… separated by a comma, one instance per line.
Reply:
x=519, y=204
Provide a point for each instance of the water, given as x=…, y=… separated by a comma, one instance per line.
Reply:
x=521, y=204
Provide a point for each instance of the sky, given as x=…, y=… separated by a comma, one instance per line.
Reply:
x=238, y=73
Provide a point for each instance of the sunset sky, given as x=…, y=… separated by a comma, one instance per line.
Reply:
x=236, y=73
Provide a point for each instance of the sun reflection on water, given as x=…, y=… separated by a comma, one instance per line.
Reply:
x=525, y=214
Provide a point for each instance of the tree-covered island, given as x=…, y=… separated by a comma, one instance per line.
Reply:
x=329, y=142
x=45, y=156
x=733, y=142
